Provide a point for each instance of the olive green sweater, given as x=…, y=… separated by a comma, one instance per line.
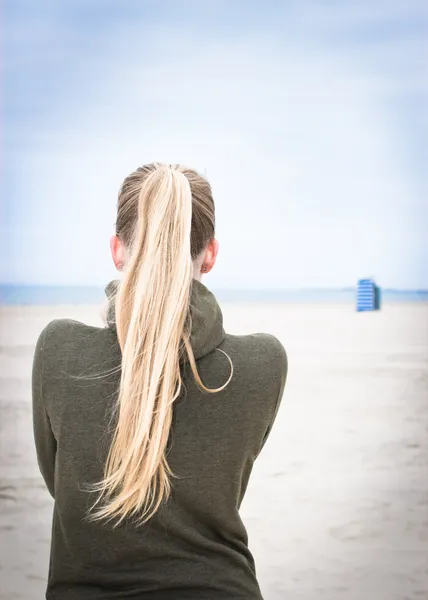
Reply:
x=195, y=547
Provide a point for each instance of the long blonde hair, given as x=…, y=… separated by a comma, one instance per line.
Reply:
x=165, y=218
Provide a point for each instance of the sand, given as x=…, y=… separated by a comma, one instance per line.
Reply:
x=337, y=507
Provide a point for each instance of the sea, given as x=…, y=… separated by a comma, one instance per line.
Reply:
x=57, y=295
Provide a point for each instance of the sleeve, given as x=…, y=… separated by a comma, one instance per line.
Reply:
x=43, y=435
x=282, y=363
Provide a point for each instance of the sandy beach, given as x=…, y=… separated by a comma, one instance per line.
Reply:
x=337, y=507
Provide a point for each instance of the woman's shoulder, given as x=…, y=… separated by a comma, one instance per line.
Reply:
x=258, y=342
x=62, y=334
x=60, y=329
x=65, y=345
x=262, y=349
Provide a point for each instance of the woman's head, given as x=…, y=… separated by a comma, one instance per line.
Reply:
x=203, y=245
x=164, y=239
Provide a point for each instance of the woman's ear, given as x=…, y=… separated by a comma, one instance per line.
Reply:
x=117, y=252
x=210, y=256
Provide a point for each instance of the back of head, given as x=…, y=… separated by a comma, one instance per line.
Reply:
x=165, y=219
x=202, y=204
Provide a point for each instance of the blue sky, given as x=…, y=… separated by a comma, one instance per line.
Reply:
x=310, y=119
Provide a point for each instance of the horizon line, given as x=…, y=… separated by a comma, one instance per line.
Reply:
x=224, y=289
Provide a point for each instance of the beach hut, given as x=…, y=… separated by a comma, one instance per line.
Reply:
x=368, y=295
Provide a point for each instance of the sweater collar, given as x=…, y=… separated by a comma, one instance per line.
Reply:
x=207, y=320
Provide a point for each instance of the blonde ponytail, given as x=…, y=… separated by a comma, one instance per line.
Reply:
x=152, y=307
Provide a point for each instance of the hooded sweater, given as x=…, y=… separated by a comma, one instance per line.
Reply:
x=195, y=547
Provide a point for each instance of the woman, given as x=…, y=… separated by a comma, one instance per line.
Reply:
x=147, y=429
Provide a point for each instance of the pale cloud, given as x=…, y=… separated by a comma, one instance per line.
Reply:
x=298, y=140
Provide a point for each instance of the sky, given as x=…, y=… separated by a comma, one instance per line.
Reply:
x=308, y=117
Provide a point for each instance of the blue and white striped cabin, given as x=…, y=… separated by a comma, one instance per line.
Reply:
x=368, y=295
